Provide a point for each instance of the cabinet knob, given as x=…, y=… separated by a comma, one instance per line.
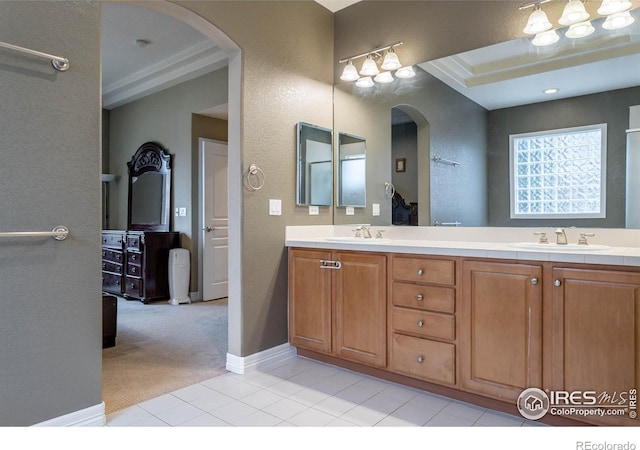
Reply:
x=420, y=359
x=420, y=271
x=420, y=323
x=557, y=283
x=419, y=297
x=534, y=281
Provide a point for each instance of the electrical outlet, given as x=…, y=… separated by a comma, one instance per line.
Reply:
x=183, y=212
x=376, y=209
x=314, y=210
x=275, y=207
x=350, y=211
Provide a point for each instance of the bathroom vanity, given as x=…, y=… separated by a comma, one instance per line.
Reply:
x=478, y=321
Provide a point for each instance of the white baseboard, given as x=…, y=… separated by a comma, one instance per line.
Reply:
x=244, y=364
x=92, y=416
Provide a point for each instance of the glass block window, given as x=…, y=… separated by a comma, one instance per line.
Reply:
x=558, y=173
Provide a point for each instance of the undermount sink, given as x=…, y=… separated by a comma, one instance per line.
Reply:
x=560, y=247
x=358, y=240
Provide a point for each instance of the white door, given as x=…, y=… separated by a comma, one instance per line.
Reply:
x=215, y=224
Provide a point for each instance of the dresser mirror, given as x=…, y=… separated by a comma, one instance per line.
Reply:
x=314, y=171
x=149, y=188
x=466, y=106
x=352, y=171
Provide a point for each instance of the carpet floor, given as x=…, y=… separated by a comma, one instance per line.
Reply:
x=160, y=348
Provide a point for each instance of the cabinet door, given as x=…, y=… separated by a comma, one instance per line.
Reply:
x=501, y=335
x=360, y=308
x=596, y=332
x=310, y=300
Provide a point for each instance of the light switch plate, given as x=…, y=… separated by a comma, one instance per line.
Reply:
x=275, y=207
x=350, y=211
x=314, y=210
x=177, y=212
x=376, y=209
x=183, y=212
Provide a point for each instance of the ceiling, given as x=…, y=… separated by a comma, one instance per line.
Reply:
x=145, y=51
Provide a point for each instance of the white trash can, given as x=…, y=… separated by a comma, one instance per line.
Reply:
x=179, y=267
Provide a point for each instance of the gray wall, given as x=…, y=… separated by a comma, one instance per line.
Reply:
x=611, y=108
x=50, y=325
x=166, y=117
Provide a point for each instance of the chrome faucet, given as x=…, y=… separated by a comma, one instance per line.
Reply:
x=365, y=230
x=561, y=237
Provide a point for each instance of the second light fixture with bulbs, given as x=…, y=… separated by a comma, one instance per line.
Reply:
x=369, y=73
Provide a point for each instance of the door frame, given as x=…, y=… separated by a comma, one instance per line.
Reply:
x=201, y=203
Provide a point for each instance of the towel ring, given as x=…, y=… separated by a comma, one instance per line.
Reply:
x=256, y=172
x=389, y=189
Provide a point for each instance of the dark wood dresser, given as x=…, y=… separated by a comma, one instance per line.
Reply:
x=135, y=263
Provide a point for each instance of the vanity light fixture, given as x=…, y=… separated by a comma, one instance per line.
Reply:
x=538, y=21
x=370, y=71
x=579, y=30
x=545, y=38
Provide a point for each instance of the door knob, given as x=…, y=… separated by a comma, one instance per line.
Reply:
x=534, y=281
x=557, y=283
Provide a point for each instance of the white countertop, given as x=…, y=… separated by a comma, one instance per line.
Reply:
x=622, y=250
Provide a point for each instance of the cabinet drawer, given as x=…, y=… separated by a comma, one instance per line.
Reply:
x=424, y=323
x=112, y=240
x=134, y=258
x=134, y=270
x=133, y=286
x=112, y=255
x=109, y=266
x=432, y=298
x=424, y=270
x=422, y=358
x=134, y=242
x=111, y=282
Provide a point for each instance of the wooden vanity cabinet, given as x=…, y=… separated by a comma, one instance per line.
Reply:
x=337, y=304
x=595, y=338
x=422, y=308
x=501, y=328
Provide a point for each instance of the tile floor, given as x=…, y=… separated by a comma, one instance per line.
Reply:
x=305, y=393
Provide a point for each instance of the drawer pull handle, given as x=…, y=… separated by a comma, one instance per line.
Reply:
x=420, y=271
x=534, y=281
x=420, y=323
x=325, y=264
x=557, y=283
x=420, y=359
x=419, y=297
x=133, y=257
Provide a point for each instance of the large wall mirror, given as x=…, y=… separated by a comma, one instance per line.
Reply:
x=465, y=107
x=149, y=188
x=314, y=154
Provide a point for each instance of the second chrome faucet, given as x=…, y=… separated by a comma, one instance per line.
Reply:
x=561, y=237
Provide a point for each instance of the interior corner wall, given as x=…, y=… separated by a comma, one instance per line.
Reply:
x=164, y=117
x=287, y=67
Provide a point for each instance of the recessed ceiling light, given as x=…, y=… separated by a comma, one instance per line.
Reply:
x=142, y=43
x=551, y=90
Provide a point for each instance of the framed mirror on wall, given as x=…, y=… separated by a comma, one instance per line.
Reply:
x=149, y=188
x=314, y=179
x=352, y=171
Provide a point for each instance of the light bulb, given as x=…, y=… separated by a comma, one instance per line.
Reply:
x=369, y=67
x=618, y=20
x=391, y=61
x=574, y=12
x=383, y=77
x=538, y=22
x=545, y=38
x=364, y=82
x=609, y=7
x=350, y=73
x=405, y=72
x=579, y=30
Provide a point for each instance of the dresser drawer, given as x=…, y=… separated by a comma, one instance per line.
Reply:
x=422, y=358
x=109, y=266
x=432, y=298
x=112, y=240
x=112, y=255
x=134, y=258
x=111, y=282
x=134, y=270
x=423, y=323
x=134, y=242
x=424, y=270
x=133, y=286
